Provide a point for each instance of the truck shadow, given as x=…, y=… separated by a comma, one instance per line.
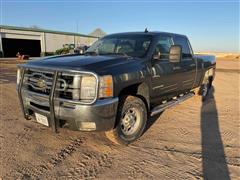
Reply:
x=151, y=121
x=214, y=165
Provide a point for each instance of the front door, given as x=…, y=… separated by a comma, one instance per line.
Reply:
x=164, y=73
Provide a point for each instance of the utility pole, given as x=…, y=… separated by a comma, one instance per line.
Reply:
x=75, y=42
x=77, y=26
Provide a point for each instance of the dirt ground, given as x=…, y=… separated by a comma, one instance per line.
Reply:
x=193, y=140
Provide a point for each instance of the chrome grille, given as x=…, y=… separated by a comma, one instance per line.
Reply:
x=41, y=82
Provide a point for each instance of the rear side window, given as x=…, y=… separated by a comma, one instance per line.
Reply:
x=183, y=42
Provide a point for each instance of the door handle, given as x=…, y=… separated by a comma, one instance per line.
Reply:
x=192, y=65
x=176, y=68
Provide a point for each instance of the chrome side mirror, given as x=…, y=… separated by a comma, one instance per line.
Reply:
x=175, y=53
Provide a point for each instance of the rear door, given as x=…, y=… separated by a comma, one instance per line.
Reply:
x=187, y=64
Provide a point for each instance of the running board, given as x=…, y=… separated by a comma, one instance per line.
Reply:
x=162, y=107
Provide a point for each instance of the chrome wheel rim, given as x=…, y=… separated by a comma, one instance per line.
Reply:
x=130, y=121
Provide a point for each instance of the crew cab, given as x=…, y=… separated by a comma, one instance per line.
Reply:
x=116, y=85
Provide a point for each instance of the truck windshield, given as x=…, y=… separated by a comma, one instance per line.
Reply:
x=128, y=45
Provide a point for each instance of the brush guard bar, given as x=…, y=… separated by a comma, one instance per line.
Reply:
x=69, y=113
x=53, y=120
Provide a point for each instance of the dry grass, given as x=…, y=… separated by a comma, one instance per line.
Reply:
x=221, y=55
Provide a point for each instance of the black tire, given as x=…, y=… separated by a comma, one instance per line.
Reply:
x=204, y=89
x=133, y=111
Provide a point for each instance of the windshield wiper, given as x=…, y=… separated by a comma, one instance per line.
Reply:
x=113, y=53
x=91, y=53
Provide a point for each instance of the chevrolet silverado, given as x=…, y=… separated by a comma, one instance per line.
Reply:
x=116, y=85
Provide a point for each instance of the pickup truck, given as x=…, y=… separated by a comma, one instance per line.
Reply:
x=116, y=85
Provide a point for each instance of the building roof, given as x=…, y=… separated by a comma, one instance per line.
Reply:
x=44, y=30
x=98, y=33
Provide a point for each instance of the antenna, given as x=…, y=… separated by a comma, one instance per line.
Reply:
x=146, y=30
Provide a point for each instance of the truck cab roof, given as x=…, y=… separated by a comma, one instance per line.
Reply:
x=153, y=33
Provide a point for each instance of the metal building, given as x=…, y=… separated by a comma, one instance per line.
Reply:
x=37, y=42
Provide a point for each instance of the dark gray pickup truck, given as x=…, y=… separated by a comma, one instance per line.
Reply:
x=120, y=81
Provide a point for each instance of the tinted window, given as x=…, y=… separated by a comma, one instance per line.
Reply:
x=183, y=42
x=163, y=47
x=107, y=46
x=132, y=45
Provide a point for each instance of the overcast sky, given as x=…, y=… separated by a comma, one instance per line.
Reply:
x=210, y=25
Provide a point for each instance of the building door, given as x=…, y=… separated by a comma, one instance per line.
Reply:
x=24, y=46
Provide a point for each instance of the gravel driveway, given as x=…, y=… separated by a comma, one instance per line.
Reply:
x=193, y=140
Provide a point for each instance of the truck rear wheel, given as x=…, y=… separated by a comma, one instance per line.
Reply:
x=204, y=89
x=131, y=121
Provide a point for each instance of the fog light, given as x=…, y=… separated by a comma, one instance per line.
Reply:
x=87, y=126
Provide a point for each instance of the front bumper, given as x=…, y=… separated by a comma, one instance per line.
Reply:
x=99, y=116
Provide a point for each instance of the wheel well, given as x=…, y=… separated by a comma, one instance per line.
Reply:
x=210, y=78
x=209, y=75
x=139, y=90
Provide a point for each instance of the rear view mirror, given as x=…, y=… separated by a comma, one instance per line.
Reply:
x=175, y=54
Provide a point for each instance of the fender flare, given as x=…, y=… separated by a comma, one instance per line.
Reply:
x=143, y=90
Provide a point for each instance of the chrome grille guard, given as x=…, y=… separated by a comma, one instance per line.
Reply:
x=53, y=120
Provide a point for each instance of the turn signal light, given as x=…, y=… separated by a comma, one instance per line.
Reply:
x=106, y=86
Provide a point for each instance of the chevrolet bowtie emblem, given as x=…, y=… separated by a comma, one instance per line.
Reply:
x=41, y=83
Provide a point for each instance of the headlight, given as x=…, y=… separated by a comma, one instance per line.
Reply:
x=18, y=75
x=88, y=88
x=106, y=86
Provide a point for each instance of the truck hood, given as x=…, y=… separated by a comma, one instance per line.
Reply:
x=98, y=64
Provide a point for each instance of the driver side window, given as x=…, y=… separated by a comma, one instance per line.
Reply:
x=163, y=47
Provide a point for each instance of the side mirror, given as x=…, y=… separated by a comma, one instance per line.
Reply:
x=175, y=53
x=157, y=56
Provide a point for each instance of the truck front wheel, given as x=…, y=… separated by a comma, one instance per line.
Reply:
x=131, y=121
